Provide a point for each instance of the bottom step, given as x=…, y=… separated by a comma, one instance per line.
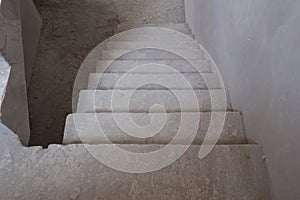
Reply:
x=227, y=173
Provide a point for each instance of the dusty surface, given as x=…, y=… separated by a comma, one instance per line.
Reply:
x=71, y=28
x=14, y=110
x=88, y=130
x=70, y=172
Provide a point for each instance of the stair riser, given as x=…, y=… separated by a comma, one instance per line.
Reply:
x=157, y=81
x=148, y=54
x=176, y=37
x=140, y=32
x=156, y=31
x=183, y=28
x=87, y=129
x=124, y=66
x=141, y=101
x=228, y=173
x=154, y=44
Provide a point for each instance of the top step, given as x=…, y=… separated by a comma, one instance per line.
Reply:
x=180, y=27
x=152, y=35
x=152, y=44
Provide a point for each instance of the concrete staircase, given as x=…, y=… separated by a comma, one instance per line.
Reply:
x=233, y=170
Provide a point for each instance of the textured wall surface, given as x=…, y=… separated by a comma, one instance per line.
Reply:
x=31, y=28
x=14, y=108
x=256, y=45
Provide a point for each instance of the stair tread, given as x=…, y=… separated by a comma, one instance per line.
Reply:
x=144, y=54
x=156, y=81
x=183, y=28
x=155, y=29
x=232, y=171
x=87, y=129
x=163, y=25
x=151, y=44
x=124, y=36
x=124, y=66
x=142, y=100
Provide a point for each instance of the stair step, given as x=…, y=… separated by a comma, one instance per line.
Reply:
x=124, y=66
x=88, y=126
x=153, y=44
x=228, y=172
x=180, y=27
x=91, y=101
x=144, y=54
x=155, y=81
x=155, y=31
x=174, y=37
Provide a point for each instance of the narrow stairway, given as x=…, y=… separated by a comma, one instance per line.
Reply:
x=232, y=170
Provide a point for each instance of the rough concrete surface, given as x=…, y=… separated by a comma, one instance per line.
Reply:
x=70, y=172
x=154, y=44
x=170, y=81
x=153, y=54
x=71, y=28
x=14, y=111
x=91, y=101
x=125, y=66
x=85, y=128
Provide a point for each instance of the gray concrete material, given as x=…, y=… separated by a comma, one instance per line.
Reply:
x=87, y=129
x=154, y=31
x=153, y=44
x=10, y=9
x=71, y=29
x=261, y=71
x=138, y=32
x=124, y=66
x=180, y=27
x=14, y=111
x=149, y=12
x=70, y=172
x=91, y=101
x=2, y=61
x=2, y=41
x=31, y=28
x=145, y=54
x=149, y=37
x=183, y=81
x=4, y=76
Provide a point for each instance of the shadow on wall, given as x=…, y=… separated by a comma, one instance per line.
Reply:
x=9, y=8
x=31, y=28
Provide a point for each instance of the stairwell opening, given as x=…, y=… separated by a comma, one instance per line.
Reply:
x=71, y=29
x=62, y=171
